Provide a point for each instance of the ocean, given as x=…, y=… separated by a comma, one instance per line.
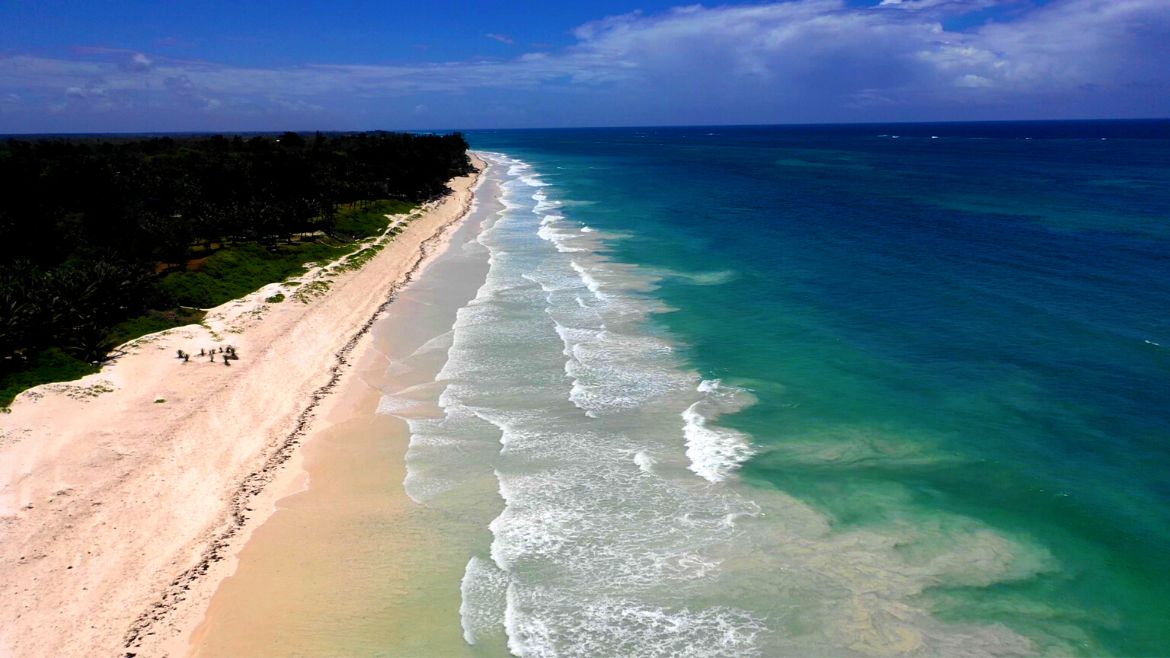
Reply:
x=811, y=391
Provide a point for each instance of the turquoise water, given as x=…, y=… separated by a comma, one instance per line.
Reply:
x=818, y=391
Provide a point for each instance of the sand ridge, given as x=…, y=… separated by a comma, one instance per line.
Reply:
x=123, y=494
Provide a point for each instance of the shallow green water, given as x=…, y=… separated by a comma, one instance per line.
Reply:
x=957, y=347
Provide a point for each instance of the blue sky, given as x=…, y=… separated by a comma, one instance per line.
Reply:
x=138, y=66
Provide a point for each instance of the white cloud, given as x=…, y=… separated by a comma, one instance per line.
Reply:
x=952, y=6
x=140, y=62
x=788, y=61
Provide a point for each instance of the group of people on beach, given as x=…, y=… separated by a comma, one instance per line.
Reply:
x=228, y=355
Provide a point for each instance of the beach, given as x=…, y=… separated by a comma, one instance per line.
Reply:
x=639, y=401
x=350, y=564
x=595, y=461
x=124, y=495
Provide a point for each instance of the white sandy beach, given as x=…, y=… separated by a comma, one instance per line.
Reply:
x=349, y=564
x=124, y=495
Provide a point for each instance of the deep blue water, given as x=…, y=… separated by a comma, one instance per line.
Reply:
x=954, y=332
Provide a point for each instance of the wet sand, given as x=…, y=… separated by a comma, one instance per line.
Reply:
x=347, y=567
x=349, y=564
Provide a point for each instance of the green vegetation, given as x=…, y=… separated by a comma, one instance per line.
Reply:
x=98, y=237
x=312, y=290
x=367, y=218
x=356, y=260
x=49, y=365
x=275, y=299
x=237, y=270
x=152, y=322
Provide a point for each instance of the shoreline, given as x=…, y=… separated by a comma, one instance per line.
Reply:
x=348, y=564
x=187, y=467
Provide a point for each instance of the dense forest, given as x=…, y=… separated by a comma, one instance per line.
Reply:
x=98, y=236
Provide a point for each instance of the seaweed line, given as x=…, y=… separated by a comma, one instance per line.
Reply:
x=254, y=482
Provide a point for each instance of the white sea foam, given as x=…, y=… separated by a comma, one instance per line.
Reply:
x=514, y=627
x=615, y=626
x=607, y=544
x=715, y=452
x=391, y=405
x=543, y=204
x=614, y=371
x=709, y=386
x=546, y=232
x=588, y=279
x=559, y=238
x=645, y=461
x=579, y=507
x=510, y=205
x=484, y=591
x=716, y=278
x=440, y=342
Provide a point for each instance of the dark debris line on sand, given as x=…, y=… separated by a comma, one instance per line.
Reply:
x=254, y=483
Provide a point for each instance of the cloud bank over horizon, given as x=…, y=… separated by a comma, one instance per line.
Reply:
x=803, y=61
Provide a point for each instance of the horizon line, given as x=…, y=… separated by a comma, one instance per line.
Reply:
x=837, y=124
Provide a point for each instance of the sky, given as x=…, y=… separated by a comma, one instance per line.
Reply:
x=109, y=66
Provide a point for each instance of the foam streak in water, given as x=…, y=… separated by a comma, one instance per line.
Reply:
x=715, y=452
x=552, y=353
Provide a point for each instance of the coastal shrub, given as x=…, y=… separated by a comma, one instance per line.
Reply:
x=275, y=299
x=153, y=321
x=50, y=365
x=365, y=219
x=238, y=270
x=312, y=290
x=356, y=260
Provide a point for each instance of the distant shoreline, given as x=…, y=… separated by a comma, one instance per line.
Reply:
x=1156, y=127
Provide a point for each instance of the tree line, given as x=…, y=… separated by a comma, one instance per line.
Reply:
x=89, y=226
